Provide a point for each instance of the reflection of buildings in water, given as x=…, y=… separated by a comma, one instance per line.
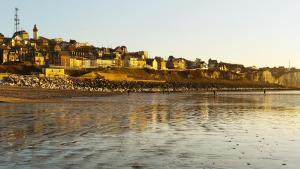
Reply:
x=15, y=134
x=200, y=105
x=141, y=115
x=155, y=108
x=159, y=114
x=158, y=110
x=40, y=119
x=38, y=127
x=138, y=120
x=267, y=102
x=204, y=110
x=257, y=102
x=178, y=113
x=120, y=116
x=154, y=114
x=92, y=117
x=71, y=117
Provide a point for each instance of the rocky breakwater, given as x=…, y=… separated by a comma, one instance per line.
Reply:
x=35, y=81
x=99, y=84
x=54, y=83
x=96, y=84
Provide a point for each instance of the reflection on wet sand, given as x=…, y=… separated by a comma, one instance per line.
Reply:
x=184, y=130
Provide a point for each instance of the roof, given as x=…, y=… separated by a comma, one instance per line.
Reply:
x=210, y=61
x=121, y=49
x=65, y=53
x=82, y=53
x=159, y=59
x=19, y=33
x=108, y=57
x=7, y=40
x=43, y=38
x=179, y=60
x=3, y=46
x=149, y=61
x=231, y=65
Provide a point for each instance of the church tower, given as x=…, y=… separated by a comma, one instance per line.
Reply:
x=35, y=32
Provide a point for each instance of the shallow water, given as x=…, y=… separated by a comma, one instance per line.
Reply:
x=178, y=130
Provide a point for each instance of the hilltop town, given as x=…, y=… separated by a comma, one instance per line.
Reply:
x=41, y=57
x=71, y=54
x=58, y=53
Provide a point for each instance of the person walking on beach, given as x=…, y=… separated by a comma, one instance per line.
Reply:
x=215, y=93
x=128, y=92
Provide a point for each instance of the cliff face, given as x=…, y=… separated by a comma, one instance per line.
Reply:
x=291, y=79
x=288, y=79
x=267, y=77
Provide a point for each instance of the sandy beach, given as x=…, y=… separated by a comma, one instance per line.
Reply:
x=24, y=94
x=16, y=94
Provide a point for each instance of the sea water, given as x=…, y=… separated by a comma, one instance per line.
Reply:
x=177, y=130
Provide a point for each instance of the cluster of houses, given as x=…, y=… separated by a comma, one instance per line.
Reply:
x=74, y=55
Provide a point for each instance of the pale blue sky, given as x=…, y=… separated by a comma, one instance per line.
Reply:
x=251, y=32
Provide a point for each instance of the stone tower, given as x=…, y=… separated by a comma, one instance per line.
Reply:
x=35, y=32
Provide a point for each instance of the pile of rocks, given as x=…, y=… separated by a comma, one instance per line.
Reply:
x=35, y=81
x=97, y=84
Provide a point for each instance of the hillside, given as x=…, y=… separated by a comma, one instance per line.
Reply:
x=207, y=78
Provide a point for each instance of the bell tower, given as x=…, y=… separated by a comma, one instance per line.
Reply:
x=35, y=32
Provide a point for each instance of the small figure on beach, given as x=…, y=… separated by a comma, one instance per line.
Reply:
x=128, y=92
x=265, y=91
x=215, y=93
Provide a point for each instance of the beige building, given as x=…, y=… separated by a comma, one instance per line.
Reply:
x=177, y=64
x=65, y=59
x=22, y=35
x=12, y=56
x=1, y=38
x=157, y=63
x=163, y=65
x=54, y=72
x=152, y=64
x=76, y=62
x=4, y=51
x=110, y=60
x=144, y=54
x=134, y=62
x=105, y=62
x=20, y=38
x=39, y=59
x=43, y=41
x=89, y=63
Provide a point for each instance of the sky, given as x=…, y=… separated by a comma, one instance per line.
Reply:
x=251, y=32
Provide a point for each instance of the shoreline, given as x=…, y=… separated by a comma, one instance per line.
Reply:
x=18, y=88
x=15, y=94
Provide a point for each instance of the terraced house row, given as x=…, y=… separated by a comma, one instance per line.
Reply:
x=75, y=55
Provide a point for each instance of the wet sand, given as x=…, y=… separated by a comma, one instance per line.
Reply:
x=27, y=94
x=23, y=94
